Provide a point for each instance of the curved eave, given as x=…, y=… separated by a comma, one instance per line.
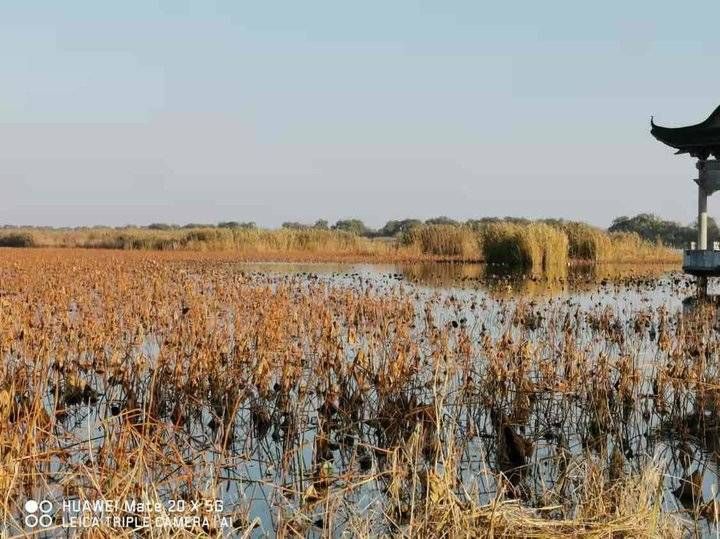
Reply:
x=700, y=140
x=681, y=139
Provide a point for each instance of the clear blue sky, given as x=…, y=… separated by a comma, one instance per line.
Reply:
x=138, y=112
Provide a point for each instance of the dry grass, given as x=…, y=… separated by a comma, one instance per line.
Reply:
x=588, y=243
x=536, y=247
x=258, y=244
x=629, y=508
x=594, y=245
x=444, y=241
x=357, y=408
x=208, y=239
x=430, y=501
x=17, y=239
x=630, y=247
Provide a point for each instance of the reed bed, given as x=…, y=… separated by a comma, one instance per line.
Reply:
x=590, y=244
x=328, y=405
x=630, y=247
x=444, y=241
x=533, y=246
x=537, y=247
x=242, y=240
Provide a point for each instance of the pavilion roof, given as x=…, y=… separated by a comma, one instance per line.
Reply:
x=699, y=140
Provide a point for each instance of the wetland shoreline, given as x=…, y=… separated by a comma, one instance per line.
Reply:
x=532, y=246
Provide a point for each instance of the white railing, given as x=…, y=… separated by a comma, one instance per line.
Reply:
x=715, y=246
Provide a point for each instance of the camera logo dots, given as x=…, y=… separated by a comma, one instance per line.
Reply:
x=31, y=506
x=38, y=513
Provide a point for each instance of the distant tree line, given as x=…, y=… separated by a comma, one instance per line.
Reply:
x=221, y=224
x=648, y=226
x=653, y=228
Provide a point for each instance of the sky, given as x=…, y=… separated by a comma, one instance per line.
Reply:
x=136, y=112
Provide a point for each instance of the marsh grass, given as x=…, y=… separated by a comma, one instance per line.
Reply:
x=536, y=247
x=591, y=244
x=588, y=243
x=243, y=241
x=444, y=241
x=17, y=239
x=629, y=508
x=630, y=247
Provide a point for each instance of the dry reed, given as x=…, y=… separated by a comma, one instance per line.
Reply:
x=340, y=408
x=594, y=245
x=536, y=246
x=444, y=241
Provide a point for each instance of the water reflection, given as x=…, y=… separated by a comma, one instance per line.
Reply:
x=497, y=280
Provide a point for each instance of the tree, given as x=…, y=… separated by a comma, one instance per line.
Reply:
x=442, y=220
x=354, y=226
x=321, y=224
x=395, y=228
x=228, y=224
x=160, y=226
x=477, y=224
x=652, y=228
x=294, y=225
x=236, y=224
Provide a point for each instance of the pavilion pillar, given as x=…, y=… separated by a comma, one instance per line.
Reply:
x=702, y=217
